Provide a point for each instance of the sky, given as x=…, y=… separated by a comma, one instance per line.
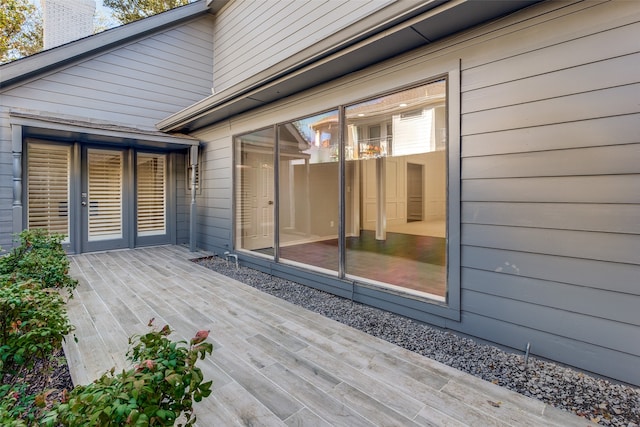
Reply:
x=105, y=11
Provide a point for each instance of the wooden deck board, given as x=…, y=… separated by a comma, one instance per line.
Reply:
x=274, y=364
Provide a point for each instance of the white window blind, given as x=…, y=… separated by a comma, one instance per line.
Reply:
x=151, y=194
x=105, y=194
x=48, y=187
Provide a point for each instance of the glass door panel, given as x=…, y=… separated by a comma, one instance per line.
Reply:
x=151, y=193
x=104, y=195
x=48, y=187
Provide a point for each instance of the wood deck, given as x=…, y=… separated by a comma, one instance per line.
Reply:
x=274, y=363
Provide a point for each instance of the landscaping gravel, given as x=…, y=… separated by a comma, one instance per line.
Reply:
x=599, y=400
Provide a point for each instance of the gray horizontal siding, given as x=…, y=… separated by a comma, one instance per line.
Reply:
x=614, y=247
x=606, y=73
x=580, y=189
x=6, y=180
x=556, y=295
x=553, y=268
x=136, y=84
x=621, y=218
x=277, y=31
x=215, y=202
x=607, y=160
x=592, y=48
x=567, y=350
x=560, y=321
x=550, y=195
x=594, y=104
x=596, y=132
x=183, y=200
x=550, y=168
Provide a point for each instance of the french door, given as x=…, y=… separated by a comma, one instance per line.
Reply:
x=104, y=201
x=99, y=198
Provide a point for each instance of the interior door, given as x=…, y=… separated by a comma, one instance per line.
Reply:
x=258, y=195
x=415, y=203
x=103, y=200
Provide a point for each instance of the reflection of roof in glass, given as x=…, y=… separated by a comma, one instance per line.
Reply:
x=406, y=100
x=325, y=122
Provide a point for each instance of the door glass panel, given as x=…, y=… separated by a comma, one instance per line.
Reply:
x=255, y=195
x=48, y=187
x=151, y=192
x=395, y=178
x=105, y=171
x=308, y=190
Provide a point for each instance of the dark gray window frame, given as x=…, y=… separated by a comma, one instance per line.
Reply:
x=421, y=308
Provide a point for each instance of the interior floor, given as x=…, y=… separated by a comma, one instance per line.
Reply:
x=420, y=228
x=408, y=261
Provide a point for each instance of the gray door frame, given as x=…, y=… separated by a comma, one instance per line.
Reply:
x=127, y=202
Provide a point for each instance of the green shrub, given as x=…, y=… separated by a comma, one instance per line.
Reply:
x=13, y=404
x=33, y=324
x=162, y=385
x=39, y=257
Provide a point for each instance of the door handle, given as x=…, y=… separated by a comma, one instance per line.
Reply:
x=83, y=203
x=270, y=202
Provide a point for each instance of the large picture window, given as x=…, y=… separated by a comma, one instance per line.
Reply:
x=359, y=192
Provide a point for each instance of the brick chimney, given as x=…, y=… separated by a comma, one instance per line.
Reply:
x=66, y=20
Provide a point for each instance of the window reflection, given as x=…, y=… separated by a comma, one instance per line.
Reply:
x=395, y=198
x=308, y=191
x=396, y=189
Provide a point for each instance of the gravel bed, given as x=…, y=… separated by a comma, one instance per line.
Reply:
x=601, y=401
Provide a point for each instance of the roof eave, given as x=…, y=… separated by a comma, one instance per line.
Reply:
x=443, y=20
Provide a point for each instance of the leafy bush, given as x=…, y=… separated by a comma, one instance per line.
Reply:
x=33, y=324
x=161, y=386
x=33, y=320
x=13, y=404
x=39, y=257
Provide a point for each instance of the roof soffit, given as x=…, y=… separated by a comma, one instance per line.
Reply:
x=443, y=18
